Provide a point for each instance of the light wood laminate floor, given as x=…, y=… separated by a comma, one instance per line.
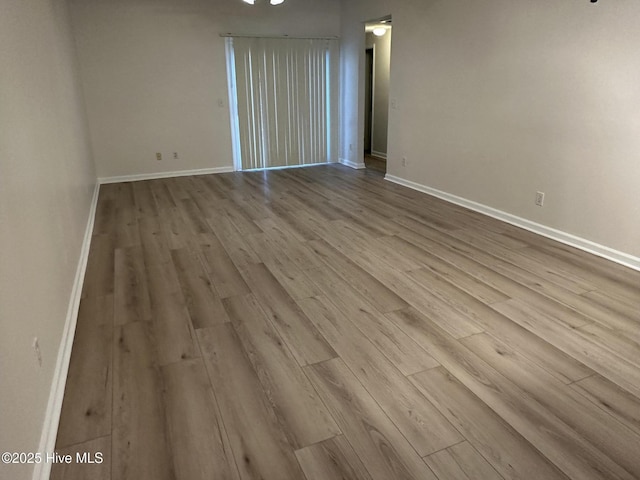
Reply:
x=322, y=323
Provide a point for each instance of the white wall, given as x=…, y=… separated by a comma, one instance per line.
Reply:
x=501, y=98
x=381, y=84
x=46, y=183
x=154, y=71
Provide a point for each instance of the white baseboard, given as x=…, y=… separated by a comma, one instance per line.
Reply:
x=563, y=237
x=351, y=164
x=152, y=176
x=287, y=167
x=54, y=406
x=378, y=154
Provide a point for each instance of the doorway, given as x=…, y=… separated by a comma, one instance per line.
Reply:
x=368, y=99
x=377, y=81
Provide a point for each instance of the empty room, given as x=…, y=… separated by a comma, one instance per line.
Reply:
x=319, y=239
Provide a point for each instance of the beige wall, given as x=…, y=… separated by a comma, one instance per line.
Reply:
x=154, y=72
x=46, y=184
x=381, y=83
x=499, y=99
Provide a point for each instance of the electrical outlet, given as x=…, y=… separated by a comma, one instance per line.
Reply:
x=158, y=156
x=36, y=350
x=220, y=103
x=540, y=199
x=351, y=147
x=404, y=161
x=175, y=156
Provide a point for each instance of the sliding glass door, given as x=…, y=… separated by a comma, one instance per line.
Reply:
x=283, y=93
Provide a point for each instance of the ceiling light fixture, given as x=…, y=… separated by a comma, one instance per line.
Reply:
x=379, y=31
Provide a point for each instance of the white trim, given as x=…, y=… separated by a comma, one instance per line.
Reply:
x=378, y=154
x=285, y=36
x=42, y=470
x=286, y=167
x=233, y=104
x=152, y=176
x=351, y=164
x=568, y=239
x=373, y=95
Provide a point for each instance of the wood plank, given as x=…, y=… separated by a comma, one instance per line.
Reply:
x=429, y=236
x=193, y=218
x=445, y=466
x=224, y=275
x=423, y=426
x=503, y=447
x=86, y=409
x=613, y=340
x=350, y=236
x=173, y=333
x=126, y=225
x=617, y=402
x=300, y=335
x=608, y=275
x=445, y=270
x=144, y=201
x=297, y=251
x=397, y=346
x=481, y=265
x=243, y=222
x=233, y=242
x=274, y=223
x=99, y=276
x=593, y=424
x=541, y=427
x=599, y=359
x=204, y=305
x=548, y=271
x=203, y=196
x=131, y=294
x=332, y=459
x=174, y=229
x=303, y=417
x=474, y=465
x=457, y=323
x=292, y=278
x=256, y=205
x=154, y=245
x=199, y=444
x=283, y=214
x=98, y=450
x=554, y=360
x=374, y=291
x=487, y=239
x=162, y=196
x=162, y=279
x=259, y=446
x=542, y=338
x=351, y=215
x=619, y=304
x=615, y=279
x=591, y=311
x=177, y=188
x=140, y=438
x=374, y=438
x=105, y=219
x=351, y=241
x=312, y=219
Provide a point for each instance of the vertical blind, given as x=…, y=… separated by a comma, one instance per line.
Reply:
x=283, y=93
